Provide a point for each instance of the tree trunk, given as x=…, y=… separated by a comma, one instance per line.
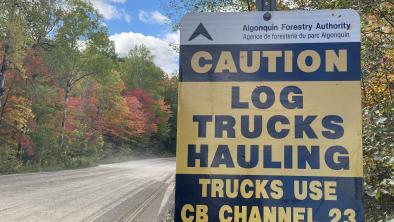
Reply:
x=249, y=5
x=63, y=124
x=3, y=72
x=6, y=54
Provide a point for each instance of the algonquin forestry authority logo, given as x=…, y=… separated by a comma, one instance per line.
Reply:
x=200, y=30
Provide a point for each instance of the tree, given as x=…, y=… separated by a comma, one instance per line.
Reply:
x=24, y=25
x=170, y=95
x=156, y=111
x=13, y=28
x=82, y=49
x=139, y=71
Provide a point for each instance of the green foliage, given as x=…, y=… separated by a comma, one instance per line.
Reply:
x=46, y=148
x=79, y=152
x=8, y=159
x=139, y=71
x=170, y=94
x=66, y=99
x=378, y=142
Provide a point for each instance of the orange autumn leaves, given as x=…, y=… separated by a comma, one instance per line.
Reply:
x=102, y=113
x=131, y=114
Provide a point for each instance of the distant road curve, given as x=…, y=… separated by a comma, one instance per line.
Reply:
x=137, y=190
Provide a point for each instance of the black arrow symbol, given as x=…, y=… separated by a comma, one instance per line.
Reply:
x=201, y=30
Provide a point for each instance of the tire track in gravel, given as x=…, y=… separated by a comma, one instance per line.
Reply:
x=107, y=192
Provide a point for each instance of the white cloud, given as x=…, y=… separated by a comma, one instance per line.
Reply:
x=153, y=17
x=109, y=10
x=164, y=55
x=173, y=37
x=125, y=15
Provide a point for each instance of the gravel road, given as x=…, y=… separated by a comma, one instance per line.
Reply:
x=137, y=190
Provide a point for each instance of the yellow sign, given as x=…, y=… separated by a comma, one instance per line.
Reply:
x=269, y=129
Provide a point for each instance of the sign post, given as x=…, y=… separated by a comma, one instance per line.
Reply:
x=266, y=5
x=269, y=123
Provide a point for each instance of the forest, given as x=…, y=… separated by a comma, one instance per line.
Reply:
x=68, y=100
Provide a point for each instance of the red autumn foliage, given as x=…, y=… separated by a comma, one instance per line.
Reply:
x=131, y=115
x=82, y=112
x=113, y=120
x=156, y=111
x=148, y=107
x=34, y=66
x=73, y=107
x=137, y=119
x=26, y=144
x=125, y=120
x=89, y=106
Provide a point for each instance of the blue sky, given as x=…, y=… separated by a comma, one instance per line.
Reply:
x=135, y=22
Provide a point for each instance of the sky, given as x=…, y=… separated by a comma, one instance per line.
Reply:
x=136, y=22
